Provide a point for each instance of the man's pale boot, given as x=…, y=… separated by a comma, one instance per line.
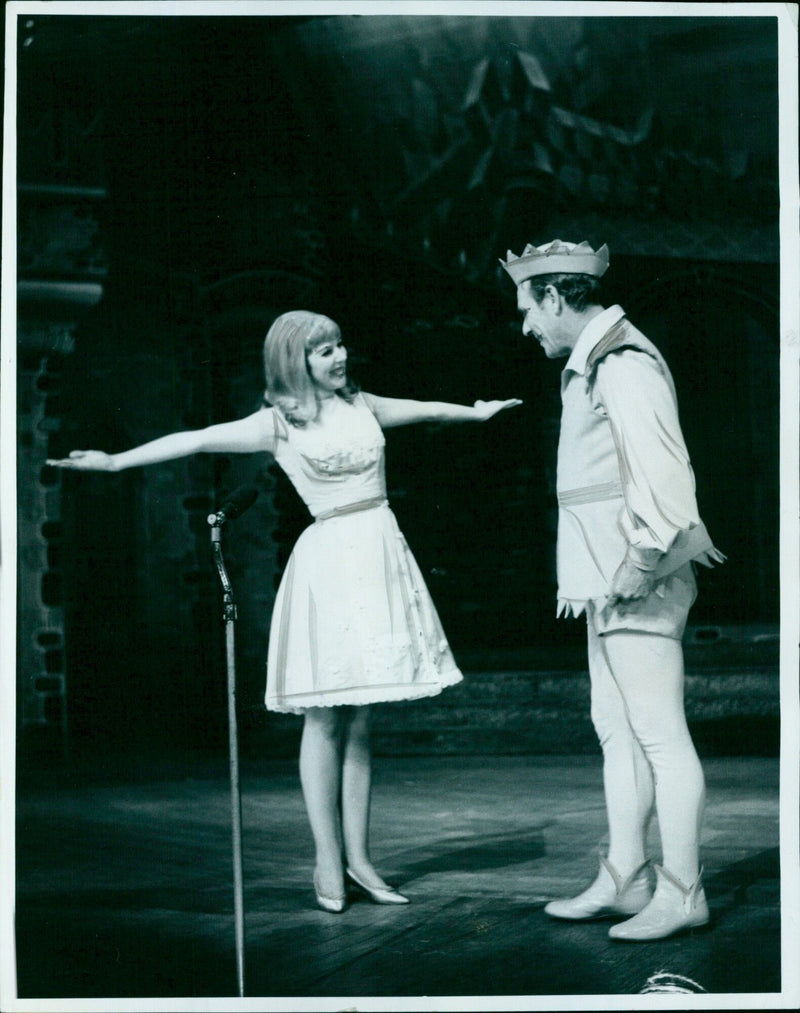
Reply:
x=674, y=908
x=609, y=896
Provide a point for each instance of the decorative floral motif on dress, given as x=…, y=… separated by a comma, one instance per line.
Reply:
x=333, y=459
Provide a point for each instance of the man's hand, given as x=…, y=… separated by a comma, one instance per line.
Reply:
x=630, y=584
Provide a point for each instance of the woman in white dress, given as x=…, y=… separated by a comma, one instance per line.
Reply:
x=353, y=622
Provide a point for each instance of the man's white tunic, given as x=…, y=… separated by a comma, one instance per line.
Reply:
x=625, y=483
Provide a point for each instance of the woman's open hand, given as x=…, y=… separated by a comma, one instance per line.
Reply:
x=486, y=409
x=85, y=460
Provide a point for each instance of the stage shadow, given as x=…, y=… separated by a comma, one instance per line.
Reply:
x=740, y=875
x=752, y=882
x=477, y=853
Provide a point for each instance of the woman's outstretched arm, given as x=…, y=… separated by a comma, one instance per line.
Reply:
x=392, y=411
x=244, y=436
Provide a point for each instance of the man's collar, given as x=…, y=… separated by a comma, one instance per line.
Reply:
x=590, y=335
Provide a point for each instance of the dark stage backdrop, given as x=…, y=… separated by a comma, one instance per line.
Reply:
x=212, y=173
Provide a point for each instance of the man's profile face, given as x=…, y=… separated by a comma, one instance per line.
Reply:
x=542, y=320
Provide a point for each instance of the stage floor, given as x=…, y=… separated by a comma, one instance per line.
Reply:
x=125, y=885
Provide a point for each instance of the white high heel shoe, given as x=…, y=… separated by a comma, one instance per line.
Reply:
x=333, y=904
x=674, y=908
x=609, y=895
x=378, y=895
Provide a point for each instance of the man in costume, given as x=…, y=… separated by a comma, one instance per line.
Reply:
x=629, y=536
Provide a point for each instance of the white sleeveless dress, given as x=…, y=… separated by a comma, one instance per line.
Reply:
x=353, y=622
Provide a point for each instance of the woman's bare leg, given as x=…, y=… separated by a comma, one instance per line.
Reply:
x=321, y=779
x=356, y=796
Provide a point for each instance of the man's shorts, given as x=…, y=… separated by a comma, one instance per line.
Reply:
x=664, y=611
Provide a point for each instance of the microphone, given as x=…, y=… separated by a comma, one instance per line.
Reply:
x=234, y=506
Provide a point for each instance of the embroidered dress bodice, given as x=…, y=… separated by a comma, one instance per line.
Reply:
x=336, y=464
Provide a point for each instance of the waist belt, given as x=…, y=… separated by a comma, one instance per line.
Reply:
x=590, y=494
x=351, y=508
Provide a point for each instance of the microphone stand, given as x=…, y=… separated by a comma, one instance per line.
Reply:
x=229, y=616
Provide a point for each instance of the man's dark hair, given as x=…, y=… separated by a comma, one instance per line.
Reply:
x=577, y=290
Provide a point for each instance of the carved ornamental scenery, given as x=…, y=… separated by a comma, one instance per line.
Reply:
x=514, y=161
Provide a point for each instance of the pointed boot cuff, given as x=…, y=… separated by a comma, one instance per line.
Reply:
x=689, y=894
x=622, y=885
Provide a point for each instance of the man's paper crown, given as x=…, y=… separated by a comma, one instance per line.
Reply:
x=557, y=257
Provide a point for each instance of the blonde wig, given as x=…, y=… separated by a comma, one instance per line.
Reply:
x=289, y=384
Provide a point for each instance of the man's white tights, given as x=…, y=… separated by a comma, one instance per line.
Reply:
x=648, y=753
